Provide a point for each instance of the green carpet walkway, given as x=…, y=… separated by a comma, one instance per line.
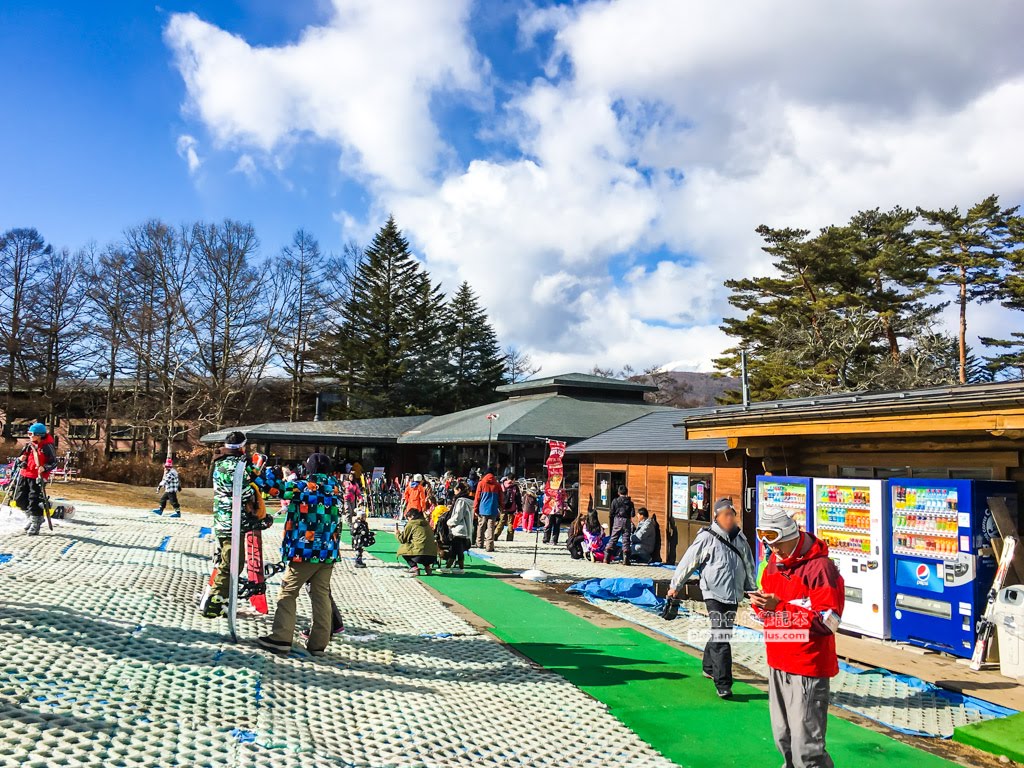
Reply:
x=657, y=690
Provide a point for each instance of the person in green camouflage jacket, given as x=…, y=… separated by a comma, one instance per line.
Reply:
x=224, y=465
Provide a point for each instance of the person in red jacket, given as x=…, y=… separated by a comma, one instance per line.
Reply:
x=800, y=602
x=37, y=461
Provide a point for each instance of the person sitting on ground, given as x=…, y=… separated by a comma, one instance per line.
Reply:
x=576, y=538
x=645, y=537
x=595, y=540
x=415, y=496
x=418, y=545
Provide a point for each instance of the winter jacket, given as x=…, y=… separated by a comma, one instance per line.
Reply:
x=530, y=503
x=812, y=596
x=311, y=525
x=488, y=499
x=40, y=459
x=417, y=539
x=645, y=537
x=724, y=575
x=171, y=481
x=512, y=498
x=623, y=507
x=415, y=497
x=461, y=521
x=223, y=483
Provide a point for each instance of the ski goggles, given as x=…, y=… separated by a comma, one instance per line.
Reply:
x=768, y=536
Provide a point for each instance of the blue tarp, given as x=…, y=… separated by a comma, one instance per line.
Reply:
x=636, y=591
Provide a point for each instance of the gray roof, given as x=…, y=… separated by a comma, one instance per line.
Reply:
x=348, y=432
x=570, y=381
x=524, y=419
x=967, y=397
x=654, y=433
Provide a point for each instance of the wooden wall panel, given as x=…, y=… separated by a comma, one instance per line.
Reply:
x=636, y=479
x=586, y=483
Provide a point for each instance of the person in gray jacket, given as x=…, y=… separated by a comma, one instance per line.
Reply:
x=645, y=537
x=726, y=565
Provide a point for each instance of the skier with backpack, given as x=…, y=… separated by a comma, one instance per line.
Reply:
x=37, y=460
x=171, y=484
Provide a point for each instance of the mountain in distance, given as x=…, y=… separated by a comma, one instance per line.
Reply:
x=687, y=389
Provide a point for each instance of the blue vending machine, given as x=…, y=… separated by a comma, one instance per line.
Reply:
x=942, y=560
x=792, y=495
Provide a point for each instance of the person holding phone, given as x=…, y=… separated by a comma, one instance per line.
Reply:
x=726, y=564
x=801, y=601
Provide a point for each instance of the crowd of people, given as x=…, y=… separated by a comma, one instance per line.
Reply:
x=799, y=597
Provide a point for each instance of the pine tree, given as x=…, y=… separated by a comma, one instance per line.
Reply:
x=966, y=253
x=845, y=311
x=477, y=365
x=424, y=388
x=1009, y=362
x=373, y=340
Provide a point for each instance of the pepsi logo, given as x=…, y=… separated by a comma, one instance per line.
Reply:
x=922, y=572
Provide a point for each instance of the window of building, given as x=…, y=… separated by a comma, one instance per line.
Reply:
x=606, y=487
x=122, y=432
x=83, y=431
x=689, y=497
x=937, y=473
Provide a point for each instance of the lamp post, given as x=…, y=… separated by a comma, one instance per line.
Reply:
x=490, y=423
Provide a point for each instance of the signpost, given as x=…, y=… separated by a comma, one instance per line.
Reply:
x=491, y=417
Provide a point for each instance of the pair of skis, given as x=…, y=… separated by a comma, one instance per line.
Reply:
x=987, y=625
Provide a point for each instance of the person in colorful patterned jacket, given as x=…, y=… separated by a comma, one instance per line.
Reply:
x=229, y=456
x=311, y=548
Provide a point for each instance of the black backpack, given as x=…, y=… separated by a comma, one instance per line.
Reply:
x=442, y=533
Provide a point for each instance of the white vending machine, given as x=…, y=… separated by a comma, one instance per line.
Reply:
x=851, y=516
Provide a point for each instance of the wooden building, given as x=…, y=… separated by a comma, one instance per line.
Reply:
x=569, y=407
x=962, y=432
x=677, y=480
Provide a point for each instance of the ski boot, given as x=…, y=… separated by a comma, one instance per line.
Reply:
x=158, y=511
x=175, y=513
x=214, y=608
x=360, y=563
x=34, y=525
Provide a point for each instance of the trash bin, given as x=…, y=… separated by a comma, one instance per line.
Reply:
x=1009, y=618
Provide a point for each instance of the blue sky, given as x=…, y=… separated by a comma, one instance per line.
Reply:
x=596, y=169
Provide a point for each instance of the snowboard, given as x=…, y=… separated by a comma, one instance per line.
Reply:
x=257, y=583
x=237, y=484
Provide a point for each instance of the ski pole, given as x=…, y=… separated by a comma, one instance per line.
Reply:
x=46, y=504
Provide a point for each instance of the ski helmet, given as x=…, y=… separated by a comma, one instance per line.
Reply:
x=37, y=429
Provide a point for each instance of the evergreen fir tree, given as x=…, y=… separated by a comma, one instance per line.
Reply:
x=424, y=387
x=374, y=333
x=966, y=253
x=477, y=365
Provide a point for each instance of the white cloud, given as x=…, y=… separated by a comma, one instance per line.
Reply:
x=364, y=82
x=246, y=166
x=662, y=126
x=186, y=146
